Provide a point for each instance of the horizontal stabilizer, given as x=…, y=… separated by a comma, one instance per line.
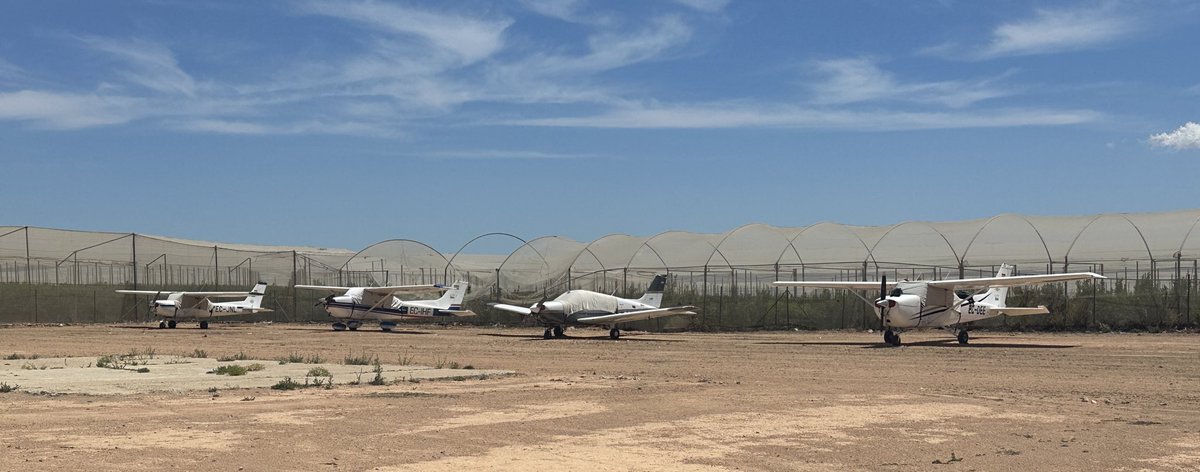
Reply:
x=1018, y=311
x=511, y=308
x=638, y=315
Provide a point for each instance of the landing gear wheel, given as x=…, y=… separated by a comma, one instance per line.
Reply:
x=614, y=333
x=891, y=337
x=339, y=326
x=558, y=332
x=963, y=337
x=547, y=334
x=171, y=324
x=162, y=325
x=203, y=325
x=353, y=325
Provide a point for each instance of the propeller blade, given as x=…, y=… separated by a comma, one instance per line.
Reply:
x=883, y=287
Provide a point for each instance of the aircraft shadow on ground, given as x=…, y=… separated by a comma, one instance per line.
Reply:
x=360, y=330
x=930, y=343
x=538, y=337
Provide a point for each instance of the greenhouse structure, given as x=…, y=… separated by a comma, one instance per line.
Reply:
x=1150, y=259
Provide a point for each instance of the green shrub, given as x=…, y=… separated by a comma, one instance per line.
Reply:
x=286, y=384
x=231, y=370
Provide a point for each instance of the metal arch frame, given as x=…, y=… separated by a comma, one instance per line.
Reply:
x=446, y=270
x=646, y=244
x=1182, y=243
x=923, y=223
x=588, y=249
x=1045, y=247
x=774, y=230
x=843, y=227
x=529, y=243
x=435, y=251
x=1067, y=255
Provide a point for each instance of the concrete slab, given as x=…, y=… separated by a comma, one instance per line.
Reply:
x=79, y=375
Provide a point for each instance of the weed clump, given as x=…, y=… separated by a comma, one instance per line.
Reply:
x=286, y=384
x=360, y=359
x=5, y=387
x=231, y=370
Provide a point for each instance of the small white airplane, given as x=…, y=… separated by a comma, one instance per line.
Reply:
x=199, y=306
x=584, y=307
x=357, y=304
x=945, y=303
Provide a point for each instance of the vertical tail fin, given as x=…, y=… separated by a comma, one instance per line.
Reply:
x=998, y=294
x=256, y=295
x=654, y=294
x=453, y=298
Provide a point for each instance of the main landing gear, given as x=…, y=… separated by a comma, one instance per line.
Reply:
x=166, y=324
x=351, y=325
x=553, y=332
x=891, y=337
x=963, y=337
x=203, y=325
x=614, y=333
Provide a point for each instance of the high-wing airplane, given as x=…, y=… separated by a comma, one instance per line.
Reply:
x=945, y=303
x=584, y=307
x=199, y=306
x=382, y=303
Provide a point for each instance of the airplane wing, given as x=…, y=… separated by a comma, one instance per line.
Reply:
x=458, y=312
x=511, y=308
x=1015, y=281
x=189, y=294
x=831, y=284
x=381, y=291
x=1018, y=311
x=638, y=315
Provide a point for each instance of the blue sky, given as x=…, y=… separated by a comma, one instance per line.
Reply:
x=340, y=124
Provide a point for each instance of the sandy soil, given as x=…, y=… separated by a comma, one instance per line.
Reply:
x=739, y=401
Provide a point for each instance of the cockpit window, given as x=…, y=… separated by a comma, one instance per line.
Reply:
x=896, y=292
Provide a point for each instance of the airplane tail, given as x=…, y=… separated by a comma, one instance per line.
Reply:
x=256, y=295
x=453, y=298
x=997, y=294
x=654, y=294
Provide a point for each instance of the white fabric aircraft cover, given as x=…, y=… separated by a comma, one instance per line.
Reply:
x=583, y=300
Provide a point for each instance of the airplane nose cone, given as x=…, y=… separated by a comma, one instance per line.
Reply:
x=889, y=303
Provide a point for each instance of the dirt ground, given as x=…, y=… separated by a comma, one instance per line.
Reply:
x=734, y=401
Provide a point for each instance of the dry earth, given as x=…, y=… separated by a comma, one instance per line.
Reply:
x=737, y=401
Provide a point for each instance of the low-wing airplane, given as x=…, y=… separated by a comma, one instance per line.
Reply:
x=945, y=303
x=584, y=307
x=382, y=304
x=199, y=306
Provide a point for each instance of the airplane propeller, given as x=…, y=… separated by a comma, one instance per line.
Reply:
x=324, y=301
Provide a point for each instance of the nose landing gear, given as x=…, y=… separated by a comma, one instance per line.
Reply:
x=891, y=337
x=963, y=337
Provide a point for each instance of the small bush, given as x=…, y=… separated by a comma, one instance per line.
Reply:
x=240, y=356
x=405, y=359
x=231, y=370
x=453, y=365
x=293, y=358
x=16, y=357
x=199, y=354
x=315, y=359
x=319, y=372
x=5, y=387
x=255, y=367
x=31, y=366
x=378, y=380
x=143, y=370
x=212, y=389
x=286, y=384
x=361, y=359
x=110, y=361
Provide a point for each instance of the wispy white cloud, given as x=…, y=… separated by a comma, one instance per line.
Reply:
x=501, y=154
x=1185, y=137
x=710, y=6
x=566, y=10
x=737, y=115
x=148, y=64
x=1051, y=31
x=861, y=80
x=470, y=38
x=70, y=111
x=370, y=129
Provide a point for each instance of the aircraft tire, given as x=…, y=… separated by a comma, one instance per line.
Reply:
x=614, y=333
x=162, y=324
x=171, y=324
x=896, y=339
x=889, y=337
x=963, y=337
x=547, y=334
x=203, y=325
x=558, y=332
x=339, y=327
